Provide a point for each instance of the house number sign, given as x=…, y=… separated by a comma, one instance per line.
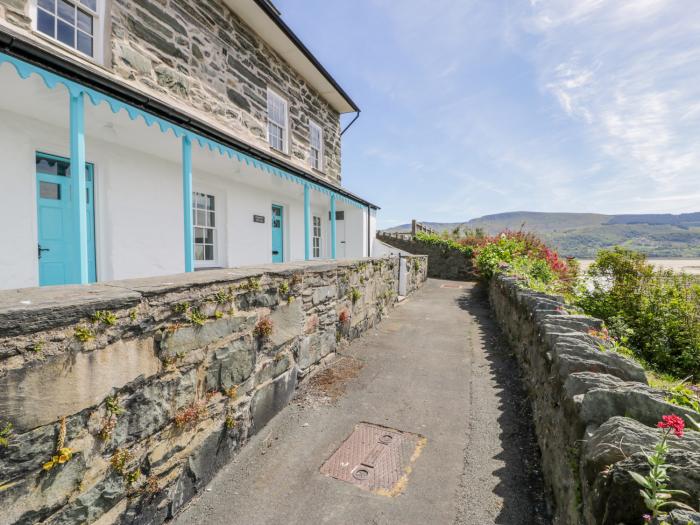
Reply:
x=259, y=218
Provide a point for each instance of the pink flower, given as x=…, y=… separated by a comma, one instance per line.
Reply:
x=673, y=422
x=647, y=518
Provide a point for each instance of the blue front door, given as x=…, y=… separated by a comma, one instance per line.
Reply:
x=277, y=235
x=57, y=249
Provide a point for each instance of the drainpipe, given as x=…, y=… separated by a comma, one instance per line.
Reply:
x=369, y=241
x=357, y=115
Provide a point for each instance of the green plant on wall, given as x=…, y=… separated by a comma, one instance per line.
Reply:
x=83, y=334
x=196, y=317
x=253, y=285
x=283, y=288
x=6, y=432
x=181, y=308
x=63, y=453
x=104, y=317
x=354, y=295
x=223, y=297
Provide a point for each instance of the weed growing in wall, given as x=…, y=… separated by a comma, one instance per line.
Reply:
x=191, y=415
x=104, y=317
x=283, y=288
x=83, y=334
x=63, y=453
x=263, y=329
x=6, y=432
x=196, y=317
x=354, y=295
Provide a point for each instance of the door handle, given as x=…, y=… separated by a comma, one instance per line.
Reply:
x=275, y=252
x=39, y=249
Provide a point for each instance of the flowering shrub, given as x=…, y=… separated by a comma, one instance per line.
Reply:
x=655, y=492
x=525, y=255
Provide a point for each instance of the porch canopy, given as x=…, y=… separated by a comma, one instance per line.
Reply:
x=78, y=117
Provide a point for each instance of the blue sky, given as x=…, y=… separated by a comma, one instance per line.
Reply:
x=484, y=106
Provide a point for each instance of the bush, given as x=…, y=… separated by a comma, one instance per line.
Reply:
x=654, y=312
x=447, y=244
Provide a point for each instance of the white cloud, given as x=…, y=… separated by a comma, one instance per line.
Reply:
x=629, y=72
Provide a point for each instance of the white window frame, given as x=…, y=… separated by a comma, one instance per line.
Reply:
x=316, y=237
x=98, y=30
x=318, y=166
x=283, y=123
x=217, y=224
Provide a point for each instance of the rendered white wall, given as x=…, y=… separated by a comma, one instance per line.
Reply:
x=138, y=208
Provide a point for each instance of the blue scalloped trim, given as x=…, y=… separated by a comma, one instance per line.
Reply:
x=24, y=70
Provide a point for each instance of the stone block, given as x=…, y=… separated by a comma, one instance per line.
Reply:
x=273, y=368
x=269, y=399
x=190, y=338
x=231, y=364
x=287, y=323
x=323, y=294
x=637, y=401
x=73, y=381
x=154, y=404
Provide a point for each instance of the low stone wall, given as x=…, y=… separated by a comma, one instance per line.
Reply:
x=443, y=263
x=150, y=386
x=594, y=412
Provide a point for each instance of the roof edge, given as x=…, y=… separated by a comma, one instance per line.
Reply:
x=273, y=13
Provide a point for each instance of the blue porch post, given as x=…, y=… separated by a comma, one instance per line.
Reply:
x=307, y=218
x=333, y=226
x=187, y=200
x=79, y=190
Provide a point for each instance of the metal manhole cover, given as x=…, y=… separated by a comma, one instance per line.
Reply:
x=457, y=286
x=375, y=458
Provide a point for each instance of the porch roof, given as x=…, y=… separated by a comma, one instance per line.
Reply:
x=28, y=58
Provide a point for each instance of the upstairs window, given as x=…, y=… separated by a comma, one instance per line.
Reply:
x=74, y=23
x=277, y=121
x=204, y=224
x=315, y=146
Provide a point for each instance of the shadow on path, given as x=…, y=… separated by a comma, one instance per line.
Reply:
x=520, y=483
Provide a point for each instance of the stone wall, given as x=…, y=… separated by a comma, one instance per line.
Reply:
x=594, y=411
x=199, y=54
x=443, y=263
x=152, y=385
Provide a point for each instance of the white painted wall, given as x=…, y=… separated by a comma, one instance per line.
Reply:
x=138, y=208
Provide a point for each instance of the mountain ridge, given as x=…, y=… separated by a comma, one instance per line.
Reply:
x=583, y=234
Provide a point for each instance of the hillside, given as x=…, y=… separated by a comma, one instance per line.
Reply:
x=583, y=234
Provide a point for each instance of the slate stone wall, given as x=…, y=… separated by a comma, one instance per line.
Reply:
x=593, y=409
x=154, y=384
x=443, y=263
x=200, y=55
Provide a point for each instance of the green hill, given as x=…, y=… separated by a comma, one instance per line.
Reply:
x=583, y=234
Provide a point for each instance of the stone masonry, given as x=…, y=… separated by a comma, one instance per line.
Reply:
x=151, y=385
x=200, y=55
x=594, y=412
x=443, y=263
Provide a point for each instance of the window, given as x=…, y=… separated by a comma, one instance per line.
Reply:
x=316, y=239
x=277, y=121
x=204, y=224
x=74, y=23
x=315, y=146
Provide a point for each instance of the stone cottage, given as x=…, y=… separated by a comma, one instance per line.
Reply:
x=205, y=134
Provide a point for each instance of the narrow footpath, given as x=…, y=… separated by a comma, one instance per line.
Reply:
x=435, y=367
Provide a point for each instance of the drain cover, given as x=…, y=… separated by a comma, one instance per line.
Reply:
x=375, y=458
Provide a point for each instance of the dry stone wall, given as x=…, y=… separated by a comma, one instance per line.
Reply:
x=594, y=412
x=200, y=55
x=150, y=386
x=443, y=263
